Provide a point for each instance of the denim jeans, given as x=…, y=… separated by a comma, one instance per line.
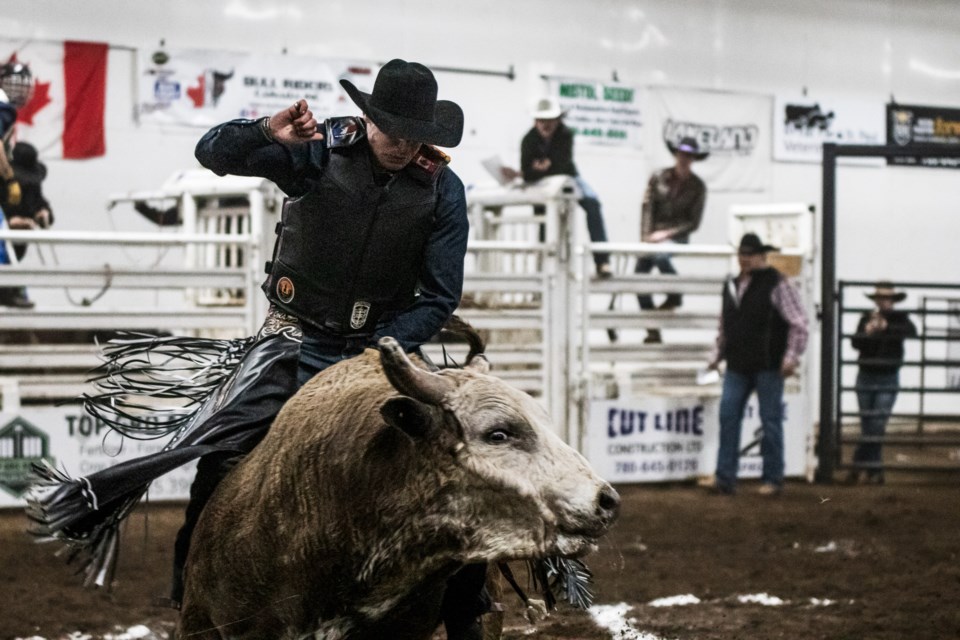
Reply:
x=664, y=263
x=876, y=394
x=321, y=350
x=737, y=388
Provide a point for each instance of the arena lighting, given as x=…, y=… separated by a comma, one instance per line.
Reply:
x=933, y=72
x=829, y=341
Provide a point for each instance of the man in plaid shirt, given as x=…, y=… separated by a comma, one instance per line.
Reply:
x=763, y=332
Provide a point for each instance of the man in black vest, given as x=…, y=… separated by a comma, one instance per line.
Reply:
x=763, y=332
x=371, y=243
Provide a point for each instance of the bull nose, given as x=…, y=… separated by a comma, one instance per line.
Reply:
x=609, y=502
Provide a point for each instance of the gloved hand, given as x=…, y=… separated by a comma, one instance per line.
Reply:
x=13, y=193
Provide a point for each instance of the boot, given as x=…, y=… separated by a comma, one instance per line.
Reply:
x=673, y=301
x=653, y=337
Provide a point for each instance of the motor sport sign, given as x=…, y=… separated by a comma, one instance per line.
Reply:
x=202, y=88
x=663, y=438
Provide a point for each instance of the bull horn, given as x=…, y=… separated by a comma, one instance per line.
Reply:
x=478, y=363
x=408, y=378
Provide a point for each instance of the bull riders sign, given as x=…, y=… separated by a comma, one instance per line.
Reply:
x=909, y=125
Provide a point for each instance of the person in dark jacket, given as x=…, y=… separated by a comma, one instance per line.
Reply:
x=879, y=339
x=763, y=333
x=547, y=150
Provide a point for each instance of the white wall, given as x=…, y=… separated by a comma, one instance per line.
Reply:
x=898, y=223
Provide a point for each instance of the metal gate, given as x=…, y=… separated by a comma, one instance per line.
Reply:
x=923, y=428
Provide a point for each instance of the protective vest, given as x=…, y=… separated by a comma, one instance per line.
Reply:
x=755, y=335
x=349, y=252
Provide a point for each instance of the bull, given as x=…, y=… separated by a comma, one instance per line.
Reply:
x=378, y=481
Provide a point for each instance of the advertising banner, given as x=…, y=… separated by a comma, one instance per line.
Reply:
x=661, y=438
x=71, y=440
x=909, y=125
x=202, y=88
x=801, y=126
x=733, y=127
x=600, y=113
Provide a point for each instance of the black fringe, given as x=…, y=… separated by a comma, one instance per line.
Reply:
x=562, y=578
x=93, y=537
x=149, y=386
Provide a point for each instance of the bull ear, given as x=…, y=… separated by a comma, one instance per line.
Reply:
x=416, y=419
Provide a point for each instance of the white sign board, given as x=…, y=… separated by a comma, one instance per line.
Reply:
x=600, y=113
x=657, y=438
x=733, y=127
x=802, y=125
x=71, y=440
x=202, y=88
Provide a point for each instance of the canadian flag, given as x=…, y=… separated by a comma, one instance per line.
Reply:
x=64, y=116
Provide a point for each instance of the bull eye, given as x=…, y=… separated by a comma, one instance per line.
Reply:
x=498, y=436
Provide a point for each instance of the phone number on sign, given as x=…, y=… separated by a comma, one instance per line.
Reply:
x=687, y=465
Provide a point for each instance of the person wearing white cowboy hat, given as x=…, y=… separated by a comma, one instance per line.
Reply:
x=672, y=209
x=371, y=243
x=879, y=340
x=547, y=150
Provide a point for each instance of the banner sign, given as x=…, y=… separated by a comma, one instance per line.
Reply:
x=202, y=88
x=909, y=125
x=659, y=438
x=600, y=113
x=802, y=125
x=70, y=439
x=734, y=128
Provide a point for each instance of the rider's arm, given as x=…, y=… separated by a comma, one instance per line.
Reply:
x=242, y=148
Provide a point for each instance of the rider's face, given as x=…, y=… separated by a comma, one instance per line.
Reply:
x=390, y=153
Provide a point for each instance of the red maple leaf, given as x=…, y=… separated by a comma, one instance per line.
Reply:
x=39, y=100
x=196, y=93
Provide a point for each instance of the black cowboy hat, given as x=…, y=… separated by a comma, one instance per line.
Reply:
x=884, y=289
x=689, y=146
x=25, y=162
x=750, y=244
x=404, y=105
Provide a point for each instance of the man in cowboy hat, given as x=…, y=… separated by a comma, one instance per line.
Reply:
x=371, y=243
x=672, y=210
x=547, y=150
x=762, y=334
x=879, y=339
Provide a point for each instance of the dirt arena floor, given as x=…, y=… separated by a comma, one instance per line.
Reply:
x=818, y=562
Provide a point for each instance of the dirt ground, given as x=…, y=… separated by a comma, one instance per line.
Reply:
x=848, y=563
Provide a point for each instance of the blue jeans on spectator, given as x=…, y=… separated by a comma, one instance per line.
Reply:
x=876, y=394
x=664, y=263
x=590, y=204
x=737, y=388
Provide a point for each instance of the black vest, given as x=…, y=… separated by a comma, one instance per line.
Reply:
x=755, y=335
x=349, y=252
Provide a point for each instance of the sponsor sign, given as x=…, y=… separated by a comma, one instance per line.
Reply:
x=72, y=440
x=802, y=125
x=910, y=125
x=202, y=88
x=600, y=113
x=733, y=127
x=656, y=438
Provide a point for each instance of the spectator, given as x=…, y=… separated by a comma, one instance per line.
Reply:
x=672, y=210
x=547, y=150
x=879, y=339
x=763, y=332
x=10, y=196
